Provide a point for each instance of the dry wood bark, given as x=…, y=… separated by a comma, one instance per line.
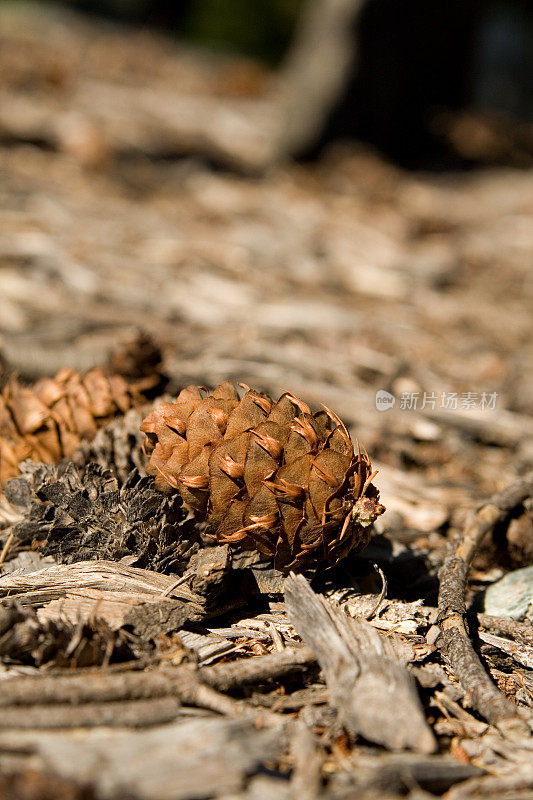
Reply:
x=260, y=669
x=364, y=678
x=28, y=639
x=138, y=713
x=521, y=653
x=454, y=640
x=203, y=591
x=46, y=584
x=139, y=698
x=519, y=631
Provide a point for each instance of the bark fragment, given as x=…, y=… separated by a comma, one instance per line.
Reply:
x=364, y=678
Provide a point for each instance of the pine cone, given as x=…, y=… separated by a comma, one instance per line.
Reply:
x=268, y=475
x=48, y=421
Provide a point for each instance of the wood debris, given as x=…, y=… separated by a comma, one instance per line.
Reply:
x=363, y=675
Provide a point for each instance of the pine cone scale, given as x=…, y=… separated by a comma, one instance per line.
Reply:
x=28, y=411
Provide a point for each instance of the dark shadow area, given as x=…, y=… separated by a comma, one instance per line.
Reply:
x=257, y=28
x=418, y=63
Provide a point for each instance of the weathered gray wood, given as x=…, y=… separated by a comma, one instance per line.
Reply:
x=307, y=763
x=365, y=680
x=55, y=581
x=127, y=714
x=203, y=758
x=519, y=631
x=254, y=670
x=133, y=685
x=391, y=774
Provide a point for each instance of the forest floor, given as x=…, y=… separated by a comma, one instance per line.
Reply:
x=341, y=280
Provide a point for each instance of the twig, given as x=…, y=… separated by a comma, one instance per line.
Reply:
x=375, y=608
x=259, y=669
x=6, y=547
x=520, y=631
x=169, y=589
x=140, y=698
x=130, y=714
x=454, y=641
x=206, y=697
x=180, y=681
x=133, y=713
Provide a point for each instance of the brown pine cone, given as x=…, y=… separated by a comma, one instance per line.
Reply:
x=268, y=475
x=47, y=421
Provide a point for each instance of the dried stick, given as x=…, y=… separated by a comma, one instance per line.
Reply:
x=257, y=670
x=140, y=698
x=130, y=714
x=181, y=681
x=205, y=697
x=133, y=713
x=6, y=547
x=520, y=631
x=454, y=641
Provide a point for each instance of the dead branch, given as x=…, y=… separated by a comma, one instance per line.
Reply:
x=256, y=670
x=181, y=681
x=454, y=641
x=520, y=631
x=130, y=714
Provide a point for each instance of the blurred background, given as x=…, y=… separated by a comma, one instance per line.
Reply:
x=331, y=196
x=413, y=64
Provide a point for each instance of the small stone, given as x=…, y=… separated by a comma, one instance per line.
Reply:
x=511, y=596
